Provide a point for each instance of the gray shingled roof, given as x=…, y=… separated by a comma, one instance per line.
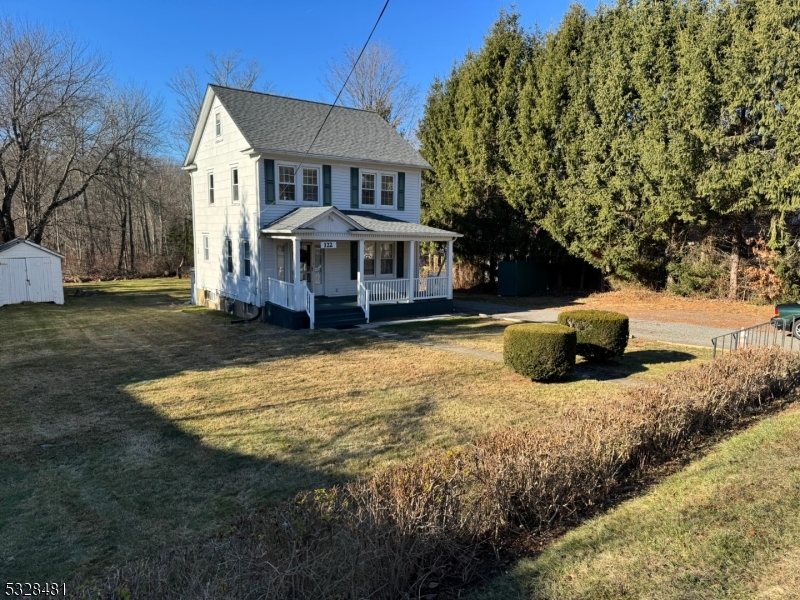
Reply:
x=370, y=221
x=279, y=124
x=374, y=222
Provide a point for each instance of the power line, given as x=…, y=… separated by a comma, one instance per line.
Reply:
x=344, y=85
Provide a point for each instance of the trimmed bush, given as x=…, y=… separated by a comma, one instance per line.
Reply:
x=601, y=333
x=540, y=351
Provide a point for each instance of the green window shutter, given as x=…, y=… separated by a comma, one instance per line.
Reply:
x=353, y=261
x=401, y=191
x=353, y=187
x=269, y=180
x=326, y=185
x=401, y=251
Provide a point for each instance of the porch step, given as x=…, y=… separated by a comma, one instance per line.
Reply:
x=338, y=317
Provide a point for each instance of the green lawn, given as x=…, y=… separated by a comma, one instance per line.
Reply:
x=728, y=526
x=132, y=422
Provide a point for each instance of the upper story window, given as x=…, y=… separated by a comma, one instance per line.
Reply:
x=286, y=184
x=246, y=258
x=218, y=124
x=368, y=189
x=206, y=251
x=301, y=184
x=235, y=184
x=378, y=190
x=211, y=188
x=387, y=190
x=228, y=256
x=310, y=185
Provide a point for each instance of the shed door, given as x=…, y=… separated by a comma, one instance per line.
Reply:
x=39, y=280
x=16, y=280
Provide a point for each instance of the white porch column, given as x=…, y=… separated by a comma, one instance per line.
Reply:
x=412, y=249
x=449, y=269
x=361, y=260
x=296, y=270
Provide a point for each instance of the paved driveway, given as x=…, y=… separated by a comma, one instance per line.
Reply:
x=676, y=333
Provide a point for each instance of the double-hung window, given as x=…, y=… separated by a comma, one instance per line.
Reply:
x=246, y=258
x=228, y=255
x=286, y=183
x=378, y=189
x=217, y=124
x=368, y=189
x=235, y=184
x=299, y=184
x=384, y=258
x=310, y=184
x=211, y=188
x=369, y=259
x=206, y=251
x=387, y=258
x=387, y=190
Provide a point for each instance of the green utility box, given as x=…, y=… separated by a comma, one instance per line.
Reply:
x=516, y=278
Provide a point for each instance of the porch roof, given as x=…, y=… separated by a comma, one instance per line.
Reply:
x=359, y=223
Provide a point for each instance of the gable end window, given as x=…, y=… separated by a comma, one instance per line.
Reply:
x=211, y=188
x=228, y=256
x=286, y=184
x=205, y=248
x=246, y=258
x=218, y=124
x=235, y=184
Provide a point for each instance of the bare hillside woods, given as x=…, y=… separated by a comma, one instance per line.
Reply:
x=80, y=161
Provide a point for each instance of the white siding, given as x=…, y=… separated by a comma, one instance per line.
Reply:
x=30, y=274
x=225, y=219
x=340, y=192
x=337, y=271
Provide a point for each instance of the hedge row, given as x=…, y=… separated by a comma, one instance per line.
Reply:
x=601, y=334
x=392, y=535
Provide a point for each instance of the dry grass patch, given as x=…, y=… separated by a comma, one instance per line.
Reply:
x=727, y=526
x=130, y=423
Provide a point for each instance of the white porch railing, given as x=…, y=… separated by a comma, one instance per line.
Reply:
x=387, y=290
x=292, y=297
x=282, y=293
x=308, y=304
x=363, y=297
x=431, y=287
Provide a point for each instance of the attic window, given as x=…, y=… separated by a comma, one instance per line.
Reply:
x=218, y=124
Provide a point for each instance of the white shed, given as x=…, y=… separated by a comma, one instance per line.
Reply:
x=29, y=273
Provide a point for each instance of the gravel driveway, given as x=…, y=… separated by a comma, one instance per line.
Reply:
x=676, y=333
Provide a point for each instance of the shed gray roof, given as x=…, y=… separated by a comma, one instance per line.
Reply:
x=367, y=221
x=19, y=240
x=279, y=124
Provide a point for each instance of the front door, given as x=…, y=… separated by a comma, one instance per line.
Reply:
x=318, y=271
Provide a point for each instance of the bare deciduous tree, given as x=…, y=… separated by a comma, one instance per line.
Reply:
x=229, y=69
x=61, y=122
x=378, y=83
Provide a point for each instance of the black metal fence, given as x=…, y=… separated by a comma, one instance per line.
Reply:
x=777, y=332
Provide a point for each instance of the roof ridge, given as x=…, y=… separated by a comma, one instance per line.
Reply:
x=233, y=89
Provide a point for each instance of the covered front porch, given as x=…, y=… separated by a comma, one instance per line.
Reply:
x=328, y=262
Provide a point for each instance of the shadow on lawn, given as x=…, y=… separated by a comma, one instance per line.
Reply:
x=90, y=476
x=636, y=361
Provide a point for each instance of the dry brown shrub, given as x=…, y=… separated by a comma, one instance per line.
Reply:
x=400, y=532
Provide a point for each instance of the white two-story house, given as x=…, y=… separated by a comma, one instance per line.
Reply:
x=310, y=231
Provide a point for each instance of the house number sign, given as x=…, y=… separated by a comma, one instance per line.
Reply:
x=328, y=245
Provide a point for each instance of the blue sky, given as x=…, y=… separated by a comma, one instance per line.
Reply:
x=147, y=41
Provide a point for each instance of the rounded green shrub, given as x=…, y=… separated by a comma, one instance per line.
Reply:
x=540, y=351
x=601, y=334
